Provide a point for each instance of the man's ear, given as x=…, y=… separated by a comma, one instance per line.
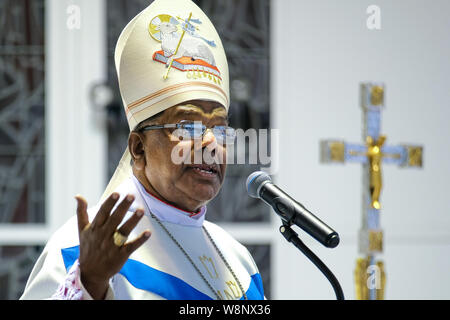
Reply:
x=136, y=148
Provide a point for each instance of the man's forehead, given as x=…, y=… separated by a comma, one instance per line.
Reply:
x=198, y=108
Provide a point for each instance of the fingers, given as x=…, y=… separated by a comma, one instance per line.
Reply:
x=129, y=225
x=131, y=246
x=82, y=216
x=118, y=214
x=105, y=210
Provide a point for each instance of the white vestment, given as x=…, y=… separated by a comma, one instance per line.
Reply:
x=158, y=269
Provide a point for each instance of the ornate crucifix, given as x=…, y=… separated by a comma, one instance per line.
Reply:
x=370, y=277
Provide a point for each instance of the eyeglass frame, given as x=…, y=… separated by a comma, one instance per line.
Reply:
x=179, y=126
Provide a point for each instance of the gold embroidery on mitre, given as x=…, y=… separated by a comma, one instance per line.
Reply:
x=182, y=47
x=167, y=90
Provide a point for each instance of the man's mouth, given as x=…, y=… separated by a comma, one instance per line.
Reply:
x=206, y=170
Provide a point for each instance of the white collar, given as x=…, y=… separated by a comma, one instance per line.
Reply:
x=167, y=212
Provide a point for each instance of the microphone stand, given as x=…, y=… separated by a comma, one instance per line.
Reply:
x=291, y=236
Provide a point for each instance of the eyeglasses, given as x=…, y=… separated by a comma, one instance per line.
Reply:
x=186, y=129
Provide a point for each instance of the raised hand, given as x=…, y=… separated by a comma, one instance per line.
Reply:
x=100, y=257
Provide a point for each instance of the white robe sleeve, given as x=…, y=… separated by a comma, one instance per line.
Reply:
x=73, y=289
x=49, y=278
x=50, y=281
x=47, y=274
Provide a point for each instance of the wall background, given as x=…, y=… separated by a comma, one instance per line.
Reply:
x=321, y=51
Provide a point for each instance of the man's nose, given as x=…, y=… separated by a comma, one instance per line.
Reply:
x=208, y=138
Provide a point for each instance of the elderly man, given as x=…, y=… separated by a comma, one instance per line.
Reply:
x=173, y=78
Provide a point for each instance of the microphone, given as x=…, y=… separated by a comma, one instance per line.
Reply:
x=259, y=185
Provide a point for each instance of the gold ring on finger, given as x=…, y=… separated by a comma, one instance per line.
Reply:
x=119, y=239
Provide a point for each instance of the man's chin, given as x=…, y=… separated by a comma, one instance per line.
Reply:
x=201, y=192
x=203, y=184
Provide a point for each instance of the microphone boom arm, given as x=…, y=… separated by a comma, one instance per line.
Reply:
x=260, y=186
x=291, y=236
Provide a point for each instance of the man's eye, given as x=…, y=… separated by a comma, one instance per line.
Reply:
x=181, y=134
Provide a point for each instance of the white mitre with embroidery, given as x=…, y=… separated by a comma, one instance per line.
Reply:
x=168, y=54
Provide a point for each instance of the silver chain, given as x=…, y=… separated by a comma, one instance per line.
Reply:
x=194, y=265
x=226, y=263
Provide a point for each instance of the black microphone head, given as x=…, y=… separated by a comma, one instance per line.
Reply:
x=255, y=181
x=332, y=240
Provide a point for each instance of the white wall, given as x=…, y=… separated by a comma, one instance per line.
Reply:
x=321, y=51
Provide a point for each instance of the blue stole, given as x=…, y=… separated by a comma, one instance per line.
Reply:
x=163, y=284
